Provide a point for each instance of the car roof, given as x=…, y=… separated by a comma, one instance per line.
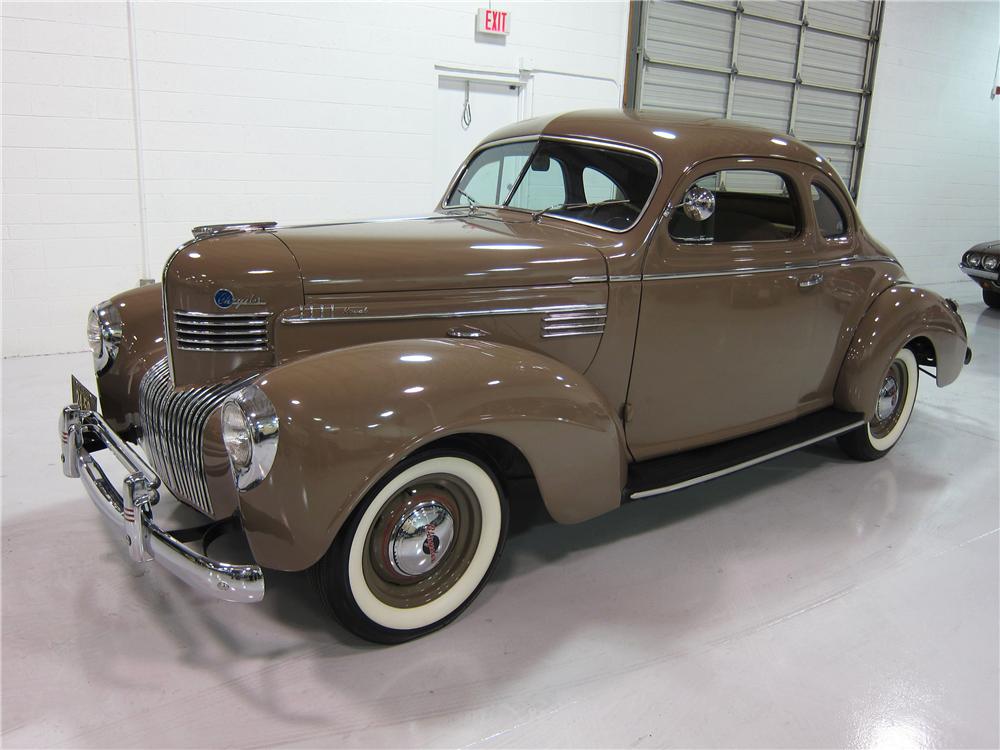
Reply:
x=680, y=140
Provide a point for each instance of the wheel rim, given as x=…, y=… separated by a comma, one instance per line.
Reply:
x=891, y=400
x=422, y=542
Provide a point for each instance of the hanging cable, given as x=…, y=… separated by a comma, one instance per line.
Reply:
x=467, y=108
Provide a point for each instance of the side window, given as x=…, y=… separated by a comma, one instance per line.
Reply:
x=544, y=184
x=598, y=187
x=829, y=217
x=750, y=206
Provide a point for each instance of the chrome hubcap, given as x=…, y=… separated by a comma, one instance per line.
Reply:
x=888, y=397
x=420, y=539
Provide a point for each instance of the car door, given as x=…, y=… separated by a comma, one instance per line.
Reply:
x=726, y=313
x=847, y=281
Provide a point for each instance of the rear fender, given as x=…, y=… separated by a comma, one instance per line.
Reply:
x=899, y=315
x=348, y=416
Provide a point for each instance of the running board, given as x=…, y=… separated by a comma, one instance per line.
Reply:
x=670, y=473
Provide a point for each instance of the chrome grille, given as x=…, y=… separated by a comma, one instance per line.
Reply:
x=172, y=423
x=221, y=332
x=586, y=323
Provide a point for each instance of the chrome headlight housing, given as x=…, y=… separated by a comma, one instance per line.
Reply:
x=990, y=262
x=104, y=335
x=250, y=435
x=973, y=259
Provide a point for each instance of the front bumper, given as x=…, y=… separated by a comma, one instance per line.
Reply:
x=976, y=274
x=132, y=514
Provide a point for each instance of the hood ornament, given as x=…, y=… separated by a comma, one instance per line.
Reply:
x=210, y=230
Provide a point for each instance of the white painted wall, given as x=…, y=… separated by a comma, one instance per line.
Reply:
x=930, y=183
x=249, y=111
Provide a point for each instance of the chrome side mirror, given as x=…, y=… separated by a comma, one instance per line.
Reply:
x=699, y=203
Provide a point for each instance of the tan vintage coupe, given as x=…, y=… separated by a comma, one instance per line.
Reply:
x=611, y=305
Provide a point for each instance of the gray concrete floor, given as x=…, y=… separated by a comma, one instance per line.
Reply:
x=810, y=601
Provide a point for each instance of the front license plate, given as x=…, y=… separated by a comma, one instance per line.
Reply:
x=81, y=396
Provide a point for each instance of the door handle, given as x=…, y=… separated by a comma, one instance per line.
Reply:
x=815, y=280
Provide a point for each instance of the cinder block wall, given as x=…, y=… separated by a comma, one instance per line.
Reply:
x=249, y=111
x=930, y=184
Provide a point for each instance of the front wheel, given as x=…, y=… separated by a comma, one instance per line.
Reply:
x=991, y=298
x=892, y=412
x=417, y=550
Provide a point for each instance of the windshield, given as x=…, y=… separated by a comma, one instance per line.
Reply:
x=605, y=187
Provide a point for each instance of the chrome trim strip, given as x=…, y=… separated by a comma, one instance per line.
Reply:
x=219, y=316
x=190, y=330
x=627, y=277
x=562, y=334
x=384, y=220
x=333, y=317
x=236, y=327
x=558, y=317
x=222, y=580
x=592, y=142
x=771, y=269
x=980, y=274
x=182, y=339
x=744, y=465
x=556, y=327
x=223, y=348
x=588, y=279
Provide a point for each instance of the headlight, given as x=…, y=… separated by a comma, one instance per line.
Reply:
x=94, y=333
x=104, y=335
x=236, y=436
x=990, y=262
x=972, y=260
x=250, y=434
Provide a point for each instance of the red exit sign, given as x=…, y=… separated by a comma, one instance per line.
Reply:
x=491, y=21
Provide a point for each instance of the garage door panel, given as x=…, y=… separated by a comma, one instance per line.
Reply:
x=682, y=90
x=768, y=48
x=840, y=157
x=790, y=10
x=764, y=103
x=827, y=115
x=691, y=34
x=803, y=68
x=849, y=16
x=834, y=60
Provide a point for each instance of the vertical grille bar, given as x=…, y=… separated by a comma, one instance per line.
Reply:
x=173, y=424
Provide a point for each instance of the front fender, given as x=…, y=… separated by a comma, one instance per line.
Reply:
x=141, y=310
x=898, y=315
x=349, y=415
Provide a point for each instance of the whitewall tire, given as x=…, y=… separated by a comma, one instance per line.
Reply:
x=418, y=548
x=893, y=408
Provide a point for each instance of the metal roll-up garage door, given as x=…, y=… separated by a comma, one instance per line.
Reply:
x=803, y=67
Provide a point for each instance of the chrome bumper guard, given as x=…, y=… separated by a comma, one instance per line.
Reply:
x=131, y=511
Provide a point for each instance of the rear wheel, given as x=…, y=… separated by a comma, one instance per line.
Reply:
x=892, y=412
x=991, y=298
x=417, y=550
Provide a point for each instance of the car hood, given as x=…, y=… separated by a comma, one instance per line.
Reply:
x=443, y=252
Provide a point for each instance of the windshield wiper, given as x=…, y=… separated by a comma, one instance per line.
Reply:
x=472, y=201
x=536, y=215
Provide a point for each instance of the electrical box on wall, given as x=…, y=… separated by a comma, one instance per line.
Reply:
x=493, y=21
